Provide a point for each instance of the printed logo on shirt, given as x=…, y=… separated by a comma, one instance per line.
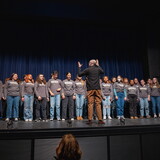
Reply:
x=42, y=85
x=143, y=88
x=106, y=85
x=13, y=83
x=154, y=86
x=79, y=83
x=30, y=84
x=121, y=85
x=131, y=88
x=68, y=83
x=54, y=82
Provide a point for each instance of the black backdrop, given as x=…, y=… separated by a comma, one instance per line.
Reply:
x=40, y=44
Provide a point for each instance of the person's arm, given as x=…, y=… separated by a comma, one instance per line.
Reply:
x=1, y=89
x=62, y=90
x=47, y=93
x=35, y=89
x=82, y=73
x=5, y=90
x=74, y=94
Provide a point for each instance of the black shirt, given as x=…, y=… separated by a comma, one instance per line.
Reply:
x=92, y=77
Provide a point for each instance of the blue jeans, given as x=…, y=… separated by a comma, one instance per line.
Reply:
x=28, y=106
x=106, y=106
x=13, y=101
x=79, y=104
x=120, y=104
x=55, y=102
x=144, y=105
x=155, y=103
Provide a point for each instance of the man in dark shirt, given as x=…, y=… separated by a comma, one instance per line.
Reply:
x=94, y=94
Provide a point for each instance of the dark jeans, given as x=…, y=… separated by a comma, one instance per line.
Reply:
x=68, y=102
x=0, y=109
x=132, y=105
x=41, y=108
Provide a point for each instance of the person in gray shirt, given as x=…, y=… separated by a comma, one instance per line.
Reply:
x=54, y=88
x=42, y=96
x=12, y=95
x=133, y=97
x=107, y=94
x=155, y=97
x=144, y=94
x=80, y=90
x=1, y=95
x=27, y=94
x=68, y=97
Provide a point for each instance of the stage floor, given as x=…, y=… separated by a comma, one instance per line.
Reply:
x=28, y=130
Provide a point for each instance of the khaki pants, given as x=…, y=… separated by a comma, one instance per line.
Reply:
x=94, y=96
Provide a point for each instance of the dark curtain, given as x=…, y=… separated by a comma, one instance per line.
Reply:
x=41, y=46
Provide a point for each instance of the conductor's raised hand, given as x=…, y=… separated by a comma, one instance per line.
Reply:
x=79, y=64
x=97, y=62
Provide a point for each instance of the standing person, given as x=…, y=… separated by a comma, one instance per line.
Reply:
x=27, y=94
x=1, y=95
x=94, y=92
x=144, y=94
x=41, y=92
x=80, y=90
x=54, y=88
x=126, y=104
x=68, y=148
x=120, y=96
x=68, y=97
x=12, y=94
x=107, y=92
x=113, y=103
x=133, y=97
x=155, y=97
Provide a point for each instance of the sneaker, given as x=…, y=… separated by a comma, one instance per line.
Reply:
x=109, y=117
x=118, y=117
x=7, y=119
x=104, y=117
x=72, y=119
x=100, y=122
x=122, y=117
x=37, y=120
x=58, y=119
x=16, y=119
x=26, y=120
x=148, y=116
x=51, y=119
x=155, y=116
x=30, y=120
x=63, y=119
x=81, y=118
x=131, y=117
x=135, y=117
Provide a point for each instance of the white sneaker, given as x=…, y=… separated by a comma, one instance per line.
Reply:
x=104, y=117
x=72, y=119
x=109, y=117
x=63, y=119
x=30, y=120
x=16, y=119
x=155, y=116
x=58, y=119
x=51, y=119
x=7, y=119
x=122, y=117
x=26, y=120
x=118, y=117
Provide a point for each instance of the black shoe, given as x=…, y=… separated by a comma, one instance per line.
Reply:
x=89, y=122
x=37, y=120
x=100, y=122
